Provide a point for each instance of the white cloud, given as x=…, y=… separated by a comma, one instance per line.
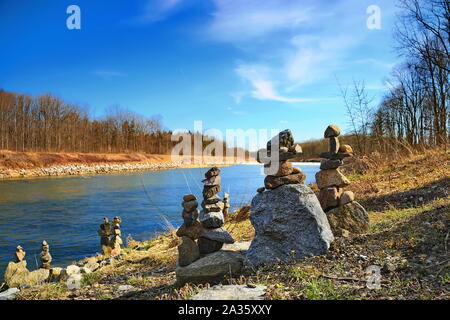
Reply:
x=304, y=42
x=263, y=89
x=157, y=10
x=243, y=20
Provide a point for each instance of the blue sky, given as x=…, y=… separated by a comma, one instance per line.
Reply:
x=259, y=64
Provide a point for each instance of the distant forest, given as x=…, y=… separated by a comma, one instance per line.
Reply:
x=47, y=124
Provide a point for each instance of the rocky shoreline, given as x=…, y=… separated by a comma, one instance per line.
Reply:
x=83, y=169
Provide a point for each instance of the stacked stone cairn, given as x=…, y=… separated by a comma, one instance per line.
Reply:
x=211, y=217
x=189, y=231
x=20, y=254
x=116, y=240
x=344, y=214
x=104, y=232
x=45, y=256
x=282, y=172
x=110, y=246
x=226, y=204
x=202, y=232
x=288, y=219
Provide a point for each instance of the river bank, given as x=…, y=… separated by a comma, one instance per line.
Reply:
x=408, y=204
x=14, y=165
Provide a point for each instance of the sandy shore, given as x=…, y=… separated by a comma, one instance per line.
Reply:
x=18, y=165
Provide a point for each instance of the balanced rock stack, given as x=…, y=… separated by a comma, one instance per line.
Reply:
x=45, y=256
x=189, y=231
x=344, y=214
x=207, y=259
x=104, y=232
x=282, y=172
x=116, y=240
x=20, y=254
x=211, y=217
x=288, y=219
x=110, y=246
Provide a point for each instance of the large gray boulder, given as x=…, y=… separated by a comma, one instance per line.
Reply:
x=289, y=224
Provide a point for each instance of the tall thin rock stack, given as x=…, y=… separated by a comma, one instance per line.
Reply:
x=282, y=172
x=45, y=256
x=344, y=214
x=211, y=217
x=189, y=232
x=116, y=240
x=104, y=233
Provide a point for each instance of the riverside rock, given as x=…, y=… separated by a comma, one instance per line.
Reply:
x=189, y=197
x=289, y=224
x=187, y=252
x=345, y=149
x=332, y=131
x=333, y=145
x=211, y=219
x=192, y=231
x=213, y=207
x=329, y=178
x=346, y=197
x=20, y=254
x=330, y=164
x=285, y=169
x=23, y=277
x=16, y=273
x=9, y=294
x=273, y=182
x=213, y=267
x=210, y=191
x=218, y=234
x=329, y=197
x=232, y=292
x=351, y=217
x=72, y=269
x=207, y=246
x=226, y=204
x=190, y=206
x=284, y=139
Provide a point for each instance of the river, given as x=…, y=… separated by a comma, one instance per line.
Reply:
x=67, y=211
